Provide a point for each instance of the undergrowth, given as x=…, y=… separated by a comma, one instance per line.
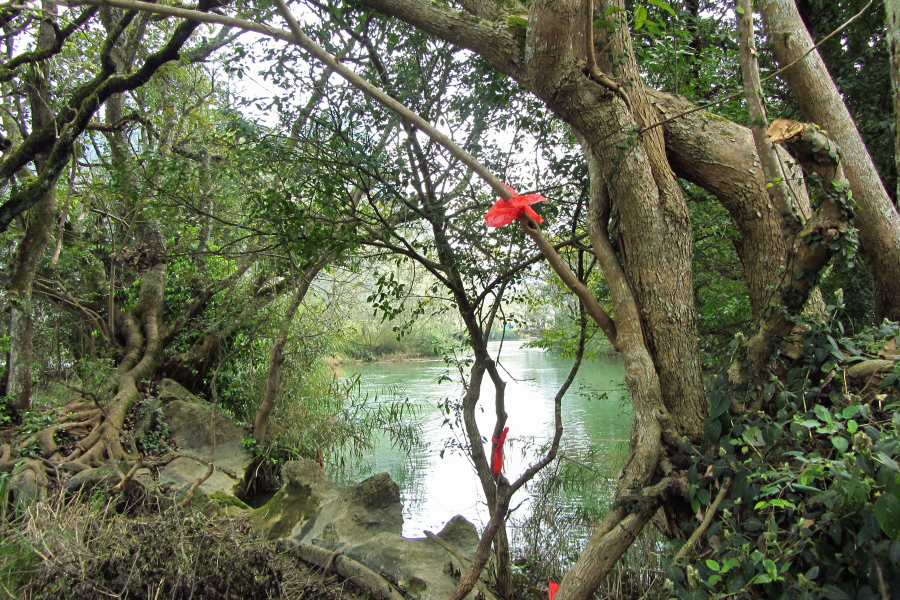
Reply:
x=810, y=485
x=136, y=546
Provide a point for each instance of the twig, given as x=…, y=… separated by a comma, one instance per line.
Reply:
x=707, y=520
x=884, y=594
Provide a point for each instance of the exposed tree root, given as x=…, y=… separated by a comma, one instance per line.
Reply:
x=356, y=573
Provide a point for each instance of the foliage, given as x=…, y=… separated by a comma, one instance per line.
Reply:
x=152, y=437
x=814, y=502
x=564, y=505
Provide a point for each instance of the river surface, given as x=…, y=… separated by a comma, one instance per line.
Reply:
x=437, y=481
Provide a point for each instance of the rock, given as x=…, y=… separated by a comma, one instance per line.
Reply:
x=364, y=522
x=305, y=488
x=359, y=513
x=189, y=428
x=106, y=477
x=418, y=563
x=869, y=368
x=462, y=535
x=169, y=390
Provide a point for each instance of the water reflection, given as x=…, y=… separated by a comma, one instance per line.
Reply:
x=439, y=482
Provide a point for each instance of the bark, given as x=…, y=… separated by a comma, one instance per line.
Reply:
x=759, y=122
x=276, y=355
x=719, y=156
x=892, y=14
x=815, y=243
x=876, y=216
x=35, y=238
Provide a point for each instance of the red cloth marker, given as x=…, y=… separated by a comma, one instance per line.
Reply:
x=498, y=451
x=553, y=587
x=504, y=212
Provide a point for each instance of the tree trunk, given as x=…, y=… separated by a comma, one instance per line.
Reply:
x=34, y=240
x=892, y=14
x=276, y=355
x=720, y=157
x=876, y=216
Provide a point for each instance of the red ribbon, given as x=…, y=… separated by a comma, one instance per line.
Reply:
x=504, y=212
x=498, y=451
x=553, y=587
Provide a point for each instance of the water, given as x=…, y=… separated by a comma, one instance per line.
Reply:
x=434, y=488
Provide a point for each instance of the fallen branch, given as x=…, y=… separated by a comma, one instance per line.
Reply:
x=707, y=520
x=356, y=573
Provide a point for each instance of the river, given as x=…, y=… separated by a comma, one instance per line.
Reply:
x=438, y=481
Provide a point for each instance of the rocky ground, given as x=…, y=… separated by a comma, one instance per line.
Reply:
x=310, y=540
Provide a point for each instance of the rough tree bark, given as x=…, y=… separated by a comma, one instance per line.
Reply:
x=892, y=17
x=876, y=216
x=36, y=236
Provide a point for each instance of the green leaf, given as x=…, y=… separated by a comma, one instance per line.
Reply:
x=613, y=9
x=840, y=443
x=887, y=511
x=703, y=496
x=640, y=17
x=834, y=593
x=713, y=565
x=605, y=23
x=740, y=10
x=887, y=461
x=712, y=427
x=823, y=414
x=663, y=5
x=719, y=405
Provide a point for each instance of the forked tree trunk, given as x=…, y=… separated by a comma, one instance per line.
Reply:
x=876, y=216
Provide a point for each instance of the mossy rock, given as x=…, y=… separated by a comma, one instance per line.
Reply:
x=223, y=499
x=304, y=490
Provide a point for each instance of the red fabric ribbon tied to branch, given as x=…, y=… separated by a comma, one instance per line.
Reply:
x=498, y=451
x=552, y=591
x=504, y=212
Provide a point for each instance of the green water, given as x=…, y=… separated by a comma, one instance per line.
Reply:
x=435, y=488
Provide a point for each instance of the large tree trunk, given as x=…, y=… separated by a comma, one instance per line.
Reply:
x=892, y=14
x=34, y=240
x=646, y=200
x=876, y=216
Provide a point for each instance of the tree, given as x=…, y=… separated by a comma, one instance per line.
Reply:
x=579, y=60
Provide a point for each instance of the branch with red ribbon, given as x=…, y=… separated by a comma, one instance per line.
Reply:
x=504, y=212
x=498, y=451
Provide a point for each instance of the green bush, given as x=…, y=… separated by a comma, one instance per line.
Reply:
x=811, y=486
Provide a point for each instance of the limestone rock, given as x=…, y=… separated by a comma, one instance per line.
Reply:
x=189, y=427
x=305, y=488
x=169, y=390
x=418, y=563
x=359, y=513
x=869, y=368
